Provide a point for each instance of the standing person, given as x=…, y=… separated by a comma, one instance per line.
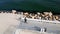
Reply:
x=25, y=20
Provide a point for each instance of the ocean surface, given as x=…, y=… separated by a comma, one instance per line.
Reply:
x=36, y=5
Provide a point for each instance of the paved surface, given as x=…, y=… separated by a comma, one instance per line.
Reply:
x=25, y=31
x=31, y=25
x=8, y=22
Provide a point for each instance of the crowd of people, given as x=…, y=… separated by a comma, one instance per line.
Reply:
x=44, y=16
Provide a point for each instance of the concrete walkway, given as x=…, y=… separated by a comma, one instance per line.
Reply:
x=8, y=22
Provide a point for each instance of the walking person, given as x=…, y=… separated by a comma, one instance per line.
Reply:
x=25, y=20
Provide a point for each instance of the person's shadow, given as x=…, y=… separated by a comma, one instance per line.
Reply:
x=37, y=28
